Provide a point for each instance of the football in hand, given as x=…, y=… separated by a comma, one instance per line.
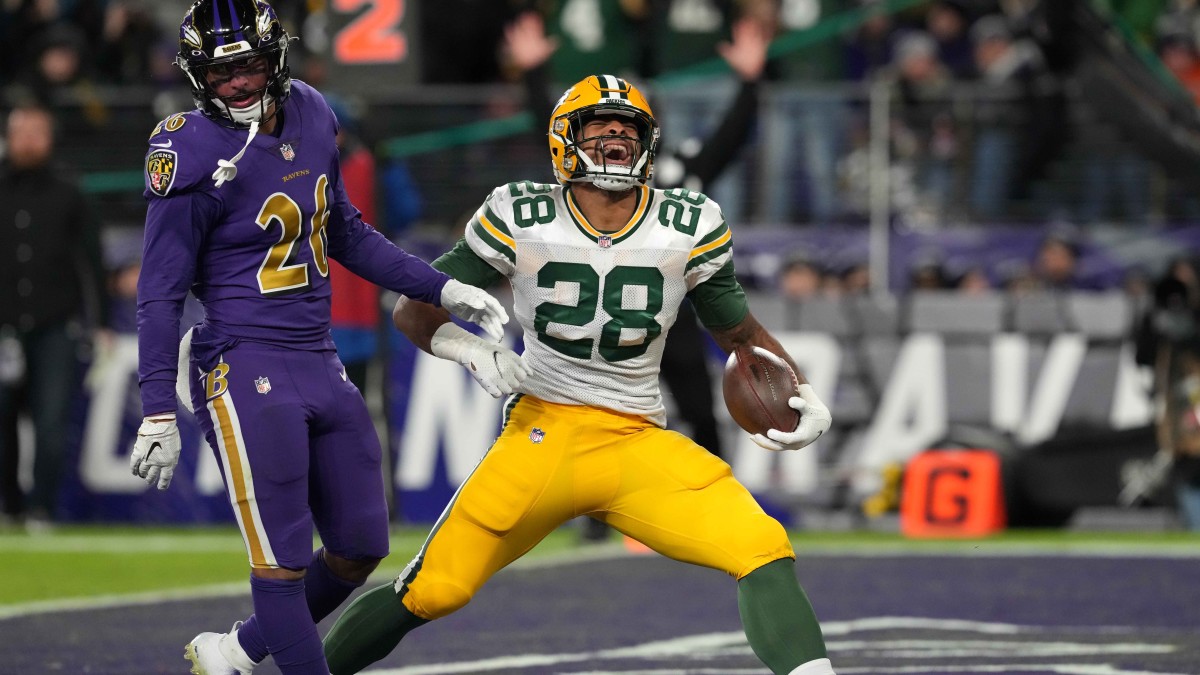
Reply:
x=757, y=385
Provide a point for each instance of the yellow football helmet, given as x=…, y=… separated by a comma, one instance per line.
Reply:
x=601, y=95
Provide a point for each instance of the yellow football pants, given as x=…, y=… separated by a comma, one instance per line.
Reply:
x=554, y=462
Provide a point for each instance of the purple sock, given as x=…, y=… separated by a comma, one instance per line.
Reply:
x=323, y=591
x=286, y=626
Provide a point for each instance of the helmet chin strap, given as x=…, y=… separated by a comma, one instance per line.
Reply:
x=253, y=113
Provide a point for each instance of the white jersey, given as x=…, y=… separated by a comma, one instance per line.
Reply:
x=595, y=307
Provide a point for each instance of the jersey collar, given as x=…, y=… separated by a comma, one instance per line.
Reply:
x=639, y=214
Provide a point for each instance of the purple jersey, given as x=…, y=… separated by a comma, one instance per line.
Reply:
x=256, y=250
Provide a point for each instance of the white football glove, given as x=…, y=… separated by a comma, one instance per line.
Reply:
x=814, y=421
x=475, y=305
x=498, y=369
x=156, y=451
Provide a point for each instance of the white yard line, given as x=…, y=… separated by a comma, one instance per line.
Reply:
x=697, y=646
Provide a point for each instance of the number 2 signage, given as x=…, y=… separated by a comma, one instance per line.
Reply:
x=371, y=33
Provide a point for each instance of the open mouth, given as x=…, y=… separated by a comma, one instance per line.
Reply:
x=616, y=153
x=244, y=101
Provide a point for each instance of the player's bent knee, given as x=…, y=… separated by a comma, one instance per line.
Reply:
x=763, y=540
x=438, y=599
x=356, y=570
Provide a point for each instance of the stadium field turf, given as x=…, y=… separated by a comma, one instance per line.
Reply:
x=89, y=561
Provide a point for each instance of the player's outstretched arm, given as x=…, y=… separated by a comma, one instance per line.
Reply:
x=815, y=418
x=496, y=368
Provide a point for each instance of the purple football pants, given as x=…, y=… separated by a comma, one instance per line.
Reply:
x=297, y=450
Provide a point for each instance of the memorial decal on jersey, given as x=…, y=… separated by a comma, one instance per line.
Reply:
x=160, y=170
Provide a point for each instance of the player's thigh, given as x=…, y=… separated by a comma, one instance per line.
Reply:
x=255, y=423
x=518, y=494
x=347, y=496
x=684, y=502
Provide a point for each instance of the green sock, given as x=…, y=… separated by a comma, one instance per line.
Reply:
x=778, y=618
x=368, y=630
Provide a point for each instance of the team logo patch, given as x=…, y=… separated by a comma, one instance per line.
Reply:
x=161, y=167
x=605, y=241
x=537, y=435
x=288, y=152
x=263, y=385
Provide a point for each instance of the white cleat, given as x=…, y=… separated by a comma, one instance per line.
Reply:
x=216, y=653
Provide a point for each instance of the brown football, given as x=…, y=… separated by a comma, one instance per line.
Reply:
x=757, y=385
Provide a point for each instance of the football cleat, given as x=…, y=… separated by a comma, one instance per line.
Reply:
x=216, y=653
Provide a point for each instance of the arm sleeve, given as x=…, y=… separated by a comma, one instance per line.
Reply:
x=723, y=146
x=365, y=251
x=720, y=301
x=462, y=263
x=174, y=234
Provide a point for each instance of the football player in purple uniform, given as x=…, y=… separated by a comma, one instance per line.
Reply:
x=246, y=207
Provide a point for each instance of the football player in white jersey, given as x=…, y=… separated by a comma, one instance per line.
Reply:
x=598, y=266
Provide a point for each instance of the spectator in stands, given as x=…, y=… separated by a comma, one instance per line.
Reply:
x=802, y=134
x=355, y=301
x=856, y=278
x=1007, y=69
x=58, y=58
x=1175, y=349
x=126, y=42
x=1056, y=265
x=60, y=68
x=973, y=281
x=52, y=292
x=1017, y=277
x=869, y=48
x=800, y=279
x=947, y=21
x=926, y=134
x=1177, y=48
x=928, y=274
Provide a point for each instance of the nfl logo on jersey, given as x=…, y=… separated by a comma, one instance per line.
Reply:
x=537, y=435
x=288, y=153
x=263, y=385
x=605, y=241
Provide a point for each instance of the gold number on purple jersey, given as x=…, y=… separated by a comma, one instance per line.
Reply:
x=280, y=270
x=319, y=239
